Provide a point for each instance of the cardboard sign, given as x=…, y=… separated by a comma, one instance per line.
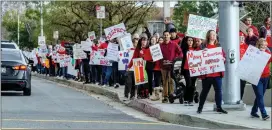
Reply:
x=156, y=52
x=205, y=62
x=91, y=35
x=247, y=68
x=198, y=26
x=86, y=46
x=65, y=61
x=126, y=42
x=112, y=52
x=78, y=52
x=140, y=74
x=115, y=31
x=124, y=59
x=97, y=58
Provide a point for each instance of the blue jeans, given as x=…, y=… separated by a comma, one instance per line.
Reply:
x=207, y=83
x=259, y=91
x=64, y=71
x=108, y=74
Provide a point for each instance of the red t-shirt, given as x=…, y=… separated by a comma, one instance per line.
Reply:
x=186, y=65
x=266, y=71
x=243, y=48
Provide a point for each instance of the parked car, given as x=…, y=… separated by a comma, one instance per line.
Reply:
x=15, y=72
x=9, y=45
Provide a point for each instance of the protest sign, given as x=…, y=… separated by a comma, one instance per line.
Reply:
x=91, y=35
x=86, y=46
x=247, y=68
x=198, y=26
x=78, y=52
x=156, y=52
x=124, y=59
x=71, y=67
x=205, y=61
x=126, y=42
x=65, y=61
x=112, y=52
x=115, y=31
x=140, y=74
x=97, y=58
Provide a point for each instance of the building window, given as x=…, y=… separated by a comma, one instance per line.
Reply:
x=156, y=27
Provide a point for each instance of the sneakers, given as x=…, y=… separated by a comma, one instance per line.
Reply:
x=266, y=117
x=186, y=103
x=116, y=86
x=255, y=115
x=156, y=95
x=165, y=100
x=220, y=110
x=190, y=104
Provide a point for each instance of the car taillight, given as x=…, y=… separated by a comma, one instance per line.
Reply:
x=21, y=67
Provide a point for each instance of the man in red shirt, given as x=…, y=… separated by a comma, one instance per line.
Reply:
x=169, y=51
x=248, y=22
x=174, y=37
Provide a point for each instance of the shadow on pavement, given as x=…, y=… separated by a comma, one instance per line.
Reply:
x=11, y=93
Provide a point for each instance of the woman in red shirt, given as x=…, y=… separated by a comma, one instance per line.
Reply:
x=190, y=81
x=213, y=79
x=243, y=48
x=142, y=91
x=260, y=89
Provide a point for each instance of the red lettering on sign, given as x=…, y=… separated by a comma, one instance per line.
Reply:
x=114, y=31
x=192, y=70
x=200, y=69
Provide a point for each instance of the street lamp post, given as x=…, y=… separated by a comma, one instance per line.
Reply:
x=229, y=39
x=41, y=10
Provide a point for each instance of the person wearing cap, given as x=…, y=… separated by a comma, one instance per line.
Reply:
x=174, y=37
x=243, y=48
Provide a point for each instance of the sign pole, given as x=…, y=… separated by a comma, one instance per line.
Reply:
x=101, y=24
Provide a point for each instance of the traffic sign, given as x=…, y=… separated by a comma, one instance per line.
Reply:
x=41, y=40
x=100, y=12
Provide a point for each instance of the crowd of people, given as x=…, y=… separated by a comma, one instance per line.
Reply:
x=160, y=73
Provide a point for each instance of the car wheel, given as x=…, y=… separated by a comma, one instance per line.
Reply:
x=27, y=92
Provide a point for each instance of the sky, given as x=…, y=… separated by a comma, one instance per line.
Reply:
x=160, y=4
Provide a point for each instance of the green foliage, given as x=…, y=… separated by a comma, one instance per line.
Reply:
x=202, y=8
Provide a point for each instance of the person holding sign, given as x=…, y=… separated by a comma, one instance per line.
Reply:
x=190, y=81
x=260, y=89
x=170, y=50
x=213, y=79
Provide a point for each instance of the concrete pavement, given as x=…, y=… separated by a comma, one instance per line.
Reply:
x=177, y=113
x=54, y=107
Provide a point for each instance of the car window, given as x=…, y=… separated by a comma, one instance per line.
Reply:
x=10, y=55
x=10, y=46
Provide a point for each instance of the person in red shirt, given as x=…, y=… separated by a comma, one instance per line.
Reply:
x=190, y=81
x=174, y=37
x=139, y=53
x=170, y=51
x=265, y=32
x=213, y=79
x=248, y=22
x=260, y=89
x=243, y=48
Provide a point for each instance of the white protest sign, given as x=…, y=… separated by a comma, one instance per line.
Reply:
x=78, y=52
x=91, y=35
x=247, y=68
x=115, y=31
x=126, y=42
x=124, y=59
x=156, y=52
x=86, y=46
x=205, y=62
x=71, y=68
x=41, y=40
x=112, y=52
x=65, y=61
x=100, y=12
x=198, y=26
x=97, y=58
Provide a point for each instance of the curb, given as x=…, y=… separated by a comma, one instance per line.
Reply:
x=148, y=108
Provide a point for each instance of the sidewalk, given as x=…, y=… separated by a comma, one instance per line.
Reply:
x=176, y=113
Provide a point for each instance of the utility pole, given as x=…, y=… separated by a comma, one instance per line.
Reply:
x=166, y=9
x=229, y=39
x=41, y=10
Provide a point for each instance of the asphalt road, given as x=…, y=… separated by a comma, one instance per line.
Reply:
x=52, y=106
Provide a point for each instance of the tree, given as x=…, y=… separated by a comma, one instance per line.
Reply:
x=202, y=8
